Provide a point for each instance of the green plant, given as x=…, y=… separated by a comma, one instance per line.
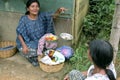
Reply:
x=98, y=22
x=80, y=59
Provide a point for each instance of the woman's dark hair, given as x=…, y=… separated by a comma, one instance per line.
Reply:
x=102, y=55
x=29, y=2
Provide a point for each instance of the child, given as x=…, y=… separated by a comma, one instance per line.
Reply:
x=100, y=53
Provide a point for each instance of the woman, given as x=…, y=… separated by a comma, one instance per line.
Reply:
x=100, y=53
x=32, y=26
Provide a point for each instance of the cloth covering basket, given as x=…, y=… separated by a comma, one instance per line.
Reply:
x=7, y=49
x=50, y=68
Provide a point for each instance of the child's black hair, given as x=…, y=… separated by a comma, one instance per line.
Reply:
x=102, y=55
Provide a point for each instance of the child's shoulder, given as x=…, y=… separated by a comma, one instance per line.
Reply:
x=97, y=76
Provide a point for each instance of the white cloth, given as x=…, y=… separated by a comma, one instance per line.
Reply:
x=99, y=76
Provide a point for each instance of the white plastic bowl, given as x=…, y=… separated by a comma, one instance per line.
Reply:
x=66, y=36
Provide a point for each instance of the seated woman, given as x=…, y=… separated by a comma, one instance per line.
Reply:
x=100, y=53
x=32, y=26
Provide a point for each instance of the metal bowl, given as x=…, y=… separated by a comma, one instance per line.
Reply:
x=66, y=36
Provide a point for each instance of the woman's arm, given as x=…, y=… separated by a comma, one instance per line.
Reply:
x=57, y=13
x=84, y=73
x=24, y=46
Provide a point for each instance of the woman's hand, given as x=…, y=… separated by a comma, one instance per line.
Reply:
x=84, y=73
x=66, y=77
x=25, y=49
x=60, y=10
x=24, y=46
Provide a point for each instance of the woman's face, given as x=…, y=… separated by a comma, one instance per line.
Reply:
x=33, y=8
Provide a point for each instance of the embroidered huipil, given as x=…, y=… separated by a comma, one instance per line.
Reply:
x=32, y=30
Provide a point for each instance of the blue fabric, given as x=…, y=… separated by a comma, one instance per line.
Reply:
x=7, y=48
x=33, y=30
x=67, y=51
x=31, y=53
x=31, y=56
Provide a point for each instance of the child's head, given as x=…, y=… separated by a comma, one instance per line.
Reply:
x=101, y=53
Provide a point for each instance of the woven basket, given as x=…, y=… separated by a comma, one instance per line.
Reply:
x=9, y=52
x=50, y=68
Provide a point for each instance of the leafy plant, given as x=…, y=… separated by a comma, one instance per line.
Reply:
x=80, y=59
x=98, y=22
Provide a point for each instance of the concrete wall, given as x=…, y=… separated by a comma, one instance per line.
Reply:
x=8, y=23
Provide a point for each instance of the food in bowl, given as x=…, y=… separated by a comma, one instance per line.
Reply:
x=51, y=38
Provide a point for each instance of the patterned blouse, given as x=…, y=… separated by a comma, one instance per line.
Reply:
x=33, y=30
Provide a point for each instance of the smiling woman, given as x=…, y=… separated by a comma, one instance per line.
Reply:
x=32, y=9
x=32, y=26
x=68, y=22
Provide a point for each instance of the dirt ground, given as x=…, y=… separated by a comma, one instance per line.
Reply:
x=18, y=68
x=117, y=65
